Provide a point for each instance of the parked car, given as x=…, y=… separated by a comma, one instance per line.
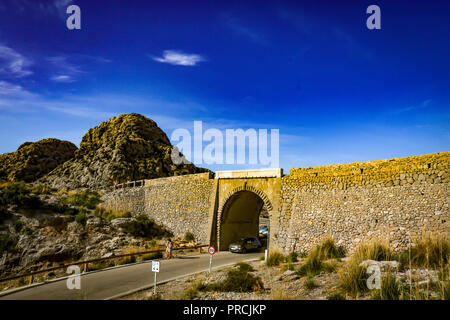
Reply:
x=245, y=245
x=263, y=231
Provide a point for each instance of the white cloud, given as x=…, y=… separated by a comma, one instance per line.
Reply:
x=426, y=102
x=73, y=136
x=62, y=3
x=62, y=78
x=63, y=64
x=234, y=24
x=350, y=43
x=69, y=68
x=44, y=9
x=66, y=71
x=73, y=109
x=13, y=91
x=13, y=63
x=179, y=58
x=422, y=105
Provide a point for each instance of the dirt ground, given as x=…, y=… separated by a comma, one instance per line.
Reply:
x=279, y=284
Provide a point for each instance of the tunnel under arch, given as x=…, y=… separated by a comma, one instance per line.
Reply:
x=239, y=216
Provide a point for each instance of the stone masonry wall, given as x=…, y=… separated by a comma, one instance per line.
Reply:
x=181, y=204
x=127, y=199
x=396, y=199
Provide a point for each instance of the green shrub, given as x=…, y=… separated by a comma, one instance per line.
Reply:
x=152, y=296
x=65, y=209
x=314, y=261
x=152, y=256
x=153, y=243
x=329, y=266
x=28, y=231
x=408, y=293
x=288, y=266
x=100, y=265
x=237, y=281
x=71, y=211
x=126, y=260
x=6, y=244
x=244, y=267
x=13, y=193
x=32, y=202
x=42, y=189
x=274, y=259
x=4, y=213
x=146, y=228
x=292, y=257
x=433, y=252
x=389, y=288
x=336, y=296
x=108, y=214
x=87, y=199
x=191, y=292
x=310, y=284
x=280, y=294
x=372, y=251
x=81, y=217
x=17, y=193
x=18, y=225
x=444, y=287
x=353, y=278
x=189, y=236
x=443, y=273
x=58, y=223
x=328, y=250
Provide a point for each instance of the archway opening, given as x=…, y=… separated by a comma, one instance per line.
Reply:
x=241, y=218
x=264, y=226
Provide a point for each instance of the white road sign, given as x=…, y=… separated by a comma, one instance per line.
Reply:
x=155, y=266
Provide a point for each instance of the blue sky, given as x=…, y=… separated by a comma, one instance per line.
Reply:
x=337, y=91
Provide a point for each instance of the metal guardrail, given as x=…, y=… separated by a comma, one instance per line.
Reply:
x=86, y=262
x=129, y=184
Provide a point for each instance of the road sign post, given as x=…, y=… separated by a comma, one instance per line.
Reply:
x=211, y=251
x=155, y=269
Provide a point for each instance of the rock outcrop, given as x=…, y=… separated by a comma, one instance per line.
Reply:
x=32, y=160
x=126, y=147
x=46, y=239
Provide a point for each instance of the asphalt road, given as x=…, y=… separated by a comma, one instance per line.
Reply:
x=113, y=282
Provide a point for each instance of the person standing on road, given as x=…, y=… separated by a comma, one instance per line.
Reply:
x=169, y=246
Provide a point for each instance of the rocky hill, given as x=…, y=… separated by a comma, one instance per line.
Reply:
x=32, y=160
x=41, y=227
x=126, y=147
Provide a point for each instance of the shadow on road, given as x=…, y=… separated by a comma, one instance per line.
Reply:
x=187, y=257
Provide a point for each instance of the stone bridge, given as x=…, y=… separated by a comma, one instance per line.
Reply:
x=396, y=199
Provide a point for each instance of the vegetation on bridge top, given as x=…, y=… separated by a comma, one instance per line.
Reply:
x=435, y=166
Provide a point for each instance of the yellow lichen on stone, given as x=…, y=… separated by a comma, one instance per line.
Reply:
x=373, y=172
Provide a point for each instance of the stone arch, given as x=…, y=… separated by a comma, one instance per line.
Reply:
x=223, y=206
